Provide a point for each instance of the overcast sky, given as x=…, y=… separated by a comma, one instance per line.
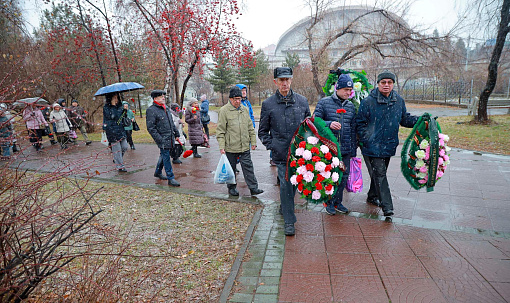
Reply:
x=264, y=21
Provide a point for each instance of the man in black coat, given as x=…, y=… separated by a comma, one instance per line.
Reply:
x=280, y=117
x=162, y=129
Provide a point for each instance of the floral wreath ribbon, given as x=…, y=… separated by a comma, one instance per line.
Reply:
x=434, y=150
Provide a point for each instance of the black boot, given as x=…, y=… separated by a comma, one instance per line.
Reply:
x=195, y=152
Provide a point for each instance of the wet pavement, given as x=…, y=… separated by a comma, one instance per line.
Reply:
x=449, y=245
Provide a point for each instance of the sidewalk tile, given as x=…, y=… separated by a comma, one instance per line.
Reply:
x=400, y=266
x=503, y=289
x=352, y=265
x=305, y=244
x=358, y=289
x=412, y=290
x=295, y=262
x=345, y=244
x=432, y=248
x=469, y=291
x=493, y=270
x=450, y=268
x=477, y=249
x=388, y=246
x=305, y=288
x=342, y=229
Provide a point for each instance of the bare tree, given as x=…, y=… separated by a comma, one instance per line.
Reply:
x=364, y=29
x=503, y=29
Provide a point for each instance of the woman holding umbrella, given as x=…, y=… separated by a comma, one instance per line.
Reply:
x=36, y=124
x=113, y=114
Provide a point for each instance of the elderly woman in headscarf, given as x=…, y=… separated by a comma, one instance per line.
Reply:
x=62, y=125
x=113, y=114
x=36, y=125
x=195, y=133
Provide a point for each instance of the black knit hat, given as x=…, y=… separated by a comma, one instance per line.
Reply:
x=386, y=75
x=157, y=92
x=235, y=92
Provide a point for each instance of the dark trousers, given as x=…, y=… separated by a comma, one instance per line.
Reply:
x=246, y=165
x=287, y=193
x=206, y=130
x=379, y=186
x=35, y=136
x=129, y=137
x=164, y=161
x=339, y=195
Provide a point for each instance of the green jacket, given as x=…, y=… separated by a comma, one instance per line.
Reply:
x=235, y=130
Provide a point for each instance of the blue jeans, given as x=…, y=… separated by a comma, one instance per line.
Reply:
x=287, y=193
x=164, y=161
x=339, y=195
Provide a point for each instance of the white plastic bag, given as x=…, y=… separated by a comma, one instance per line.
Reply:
x=104, y=140
x=224, y=173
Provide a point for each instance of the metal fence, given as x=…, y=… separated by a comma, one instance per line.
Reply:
x=460, y=92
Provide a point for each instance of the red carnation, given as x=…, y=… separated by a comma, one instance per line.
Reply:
x=341, y=111
x=301, y=162
x=329, y=187
x=293, y=164
x=187, y=153
x=299, y=178
x=306, y=192
x=328, y=156
x=320, y=178
x=309, y=167
x=328, y=168
x=300, y=187
x=315, y=150
x=316, y=158
x=302, y=144
x=318, y=186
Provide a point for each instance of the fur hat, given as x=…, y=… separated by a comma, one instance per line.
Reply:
x=386, y=75
x=235, y=92
x=344, y=81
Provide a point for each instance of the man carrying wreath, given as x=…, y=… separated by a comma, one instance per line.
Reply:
x=377, y=122
x=280, y=117
x=339, y=114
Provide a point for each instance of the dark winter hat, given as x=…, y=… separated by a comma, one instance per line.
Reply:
x=344, y=81
x=157, y=92
x=386, y=75
x=174, y=106
x=74, y=100
x=60, y=101
x=282, y=72
x=235, y=92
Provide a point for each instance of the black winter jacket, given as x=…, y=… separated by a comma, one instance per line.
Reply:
x=161, y=126
x=279, y=119
x=327, y=108
x=112, y=122
x=378, y=122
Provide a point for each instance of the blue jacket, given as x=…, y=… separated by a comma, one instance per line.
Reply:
x=378, y=122
x=326, y=110
x=247, y=103
x=280, y=117
x=112, y=123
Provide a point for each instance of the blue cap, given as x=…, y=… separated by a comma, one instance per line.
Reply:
x=241, y=86
x=344, y=81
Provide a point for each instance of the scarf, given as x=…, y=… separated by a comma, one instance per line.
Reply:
x=160, y=104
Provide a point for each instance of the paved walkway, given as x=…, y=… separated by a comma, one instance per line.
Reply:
x=450, y=245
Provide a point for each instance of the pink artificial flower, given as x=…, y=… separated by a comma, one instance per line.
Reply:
x=423, y=169
x=442, y=152
x=335, y=176
x=301, y=170
x=326, y=174
x=308, y=176
x=320, y=166
x=293, y=180
x=307, y=155
x=422, y=181
x=446, y=158
x=312, y=140
x=335, y=162
x=352, y=94
x=330, y=192
x=324, y=149
x=316, y=195
x=439, y=174
x=441, y=142
x=299, y=151
x=440, y=161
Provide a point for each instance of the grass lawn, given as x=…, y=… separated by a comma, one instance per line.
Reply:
x=162, y=247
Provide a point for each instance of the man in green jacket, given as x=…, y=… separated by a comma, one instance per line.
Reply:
x=235, y=135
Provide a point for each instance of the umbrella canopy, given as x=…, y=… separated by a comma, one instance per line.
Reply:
x=118, y=88
x=27, y=101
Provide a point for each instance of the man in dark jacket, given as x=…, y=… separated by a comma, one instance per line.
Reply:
x=281, y=115
x=378, y=120
x=339, y=115
x=162, y=129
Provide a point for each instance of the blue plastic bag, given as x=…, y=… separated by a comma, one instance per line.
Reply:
x=224, y=173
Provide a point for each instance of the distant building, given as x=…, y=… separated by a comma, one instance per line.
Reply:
x=294, y=39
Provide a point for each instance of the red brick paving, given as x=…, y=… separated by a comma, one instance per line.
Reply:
x=364, y=260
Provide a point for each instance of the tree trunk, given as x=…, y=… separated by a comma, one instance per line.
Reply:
x=504, y=28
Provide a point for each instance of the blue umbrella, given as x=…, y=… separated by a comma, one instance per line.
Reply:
x=118, y=88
